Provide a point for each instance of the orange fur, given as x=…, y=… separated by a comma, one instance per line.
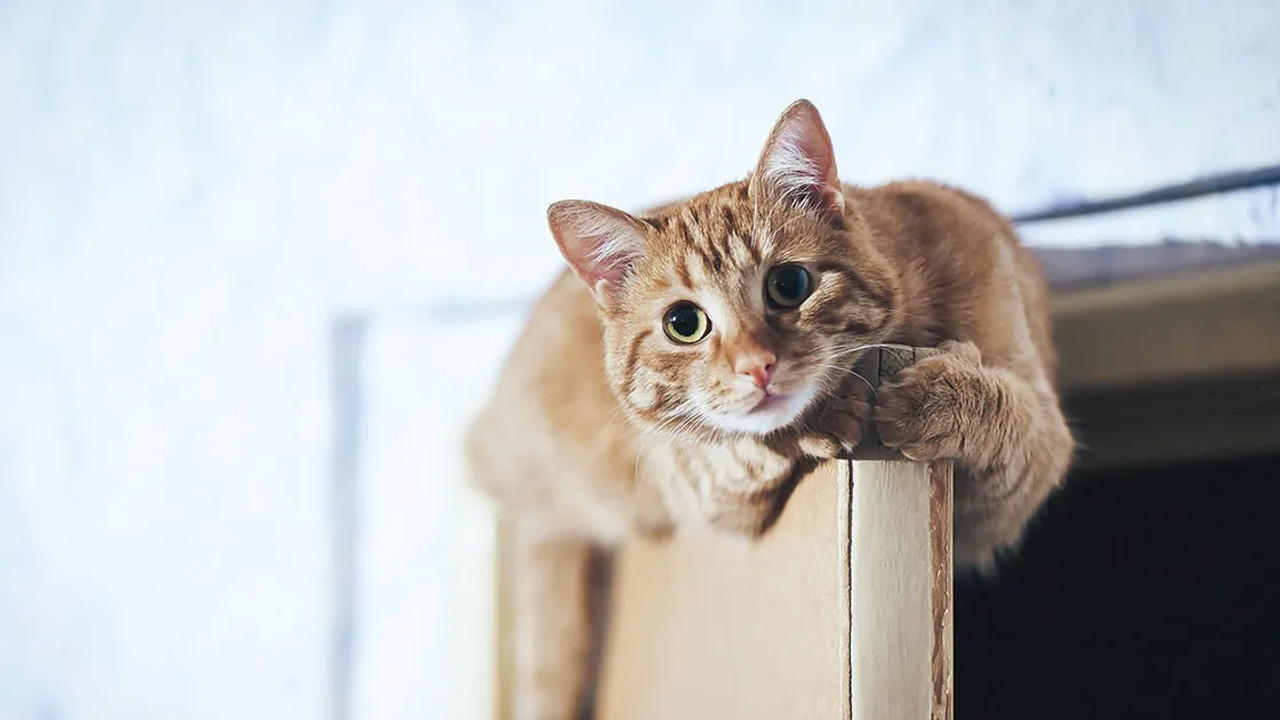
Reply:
x=598, y=407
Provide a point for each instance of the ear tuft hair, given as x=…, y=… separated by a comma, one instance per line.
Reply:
x=600, y=243
x=798, y=164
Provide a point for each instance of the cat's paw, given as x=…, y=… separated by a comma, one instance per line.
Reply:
x=820, y=445
x=921, y=412
x=838, y=428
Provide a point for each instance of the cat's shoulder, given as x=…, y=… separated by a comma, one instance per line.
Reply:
x=927, y=197
x=924, y=212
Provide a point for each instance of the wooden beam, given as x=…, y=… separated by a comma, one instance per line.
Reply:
x=901, y=572
x=900, y=591
x=842, y=610
x=707, y=625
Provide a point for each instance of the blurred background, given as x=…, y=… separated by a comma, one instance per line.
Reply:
x=259, y=260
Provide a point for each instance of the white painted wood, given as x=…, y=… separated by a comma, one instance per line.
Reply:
x=891, y=628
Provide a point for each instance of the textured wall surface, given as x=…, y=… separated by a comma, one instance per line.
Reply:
x=190, y=191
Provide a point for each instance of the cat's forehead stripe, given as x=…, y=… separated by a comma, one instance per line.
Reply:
x=633, y=354
x=717, y=261
x=682, y=269
x=738, y=239
x=711, y=238
x=689, y=225
x=693, y=240
x=730, y=222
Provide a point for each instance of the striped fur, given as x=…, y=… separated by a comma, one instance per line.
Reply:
x=600, y=424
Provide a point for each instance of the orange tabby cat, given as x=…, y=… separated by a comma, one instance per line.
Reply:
x=698, y=366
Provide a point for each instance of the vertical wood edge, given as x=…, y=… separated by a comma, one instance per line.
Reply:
x=844, y=523
x=941, y=589
x=892, y=634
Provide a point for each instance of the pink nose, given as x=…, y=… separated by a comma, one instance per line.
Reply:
x=758, y=367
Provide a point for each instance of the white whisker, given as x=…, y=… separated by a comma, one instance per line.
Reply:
x=855, y=373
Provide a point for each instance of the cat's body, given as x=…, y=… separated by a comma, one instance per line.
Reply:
x=601, y=426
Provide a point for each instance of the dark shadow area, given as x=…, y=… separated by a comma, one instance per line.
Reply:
x=1140, y=593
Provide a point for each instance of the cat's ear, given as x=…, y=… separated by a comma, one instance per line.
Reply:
x=601, y=243
x=798, y=164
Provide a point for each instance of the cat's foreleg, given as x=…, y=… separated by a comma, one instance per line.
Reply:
x=552, y=626
x=1005, y=431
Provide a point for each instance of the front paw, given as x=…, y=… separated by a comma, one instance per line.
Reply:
x=836, y=429
x=922, y=411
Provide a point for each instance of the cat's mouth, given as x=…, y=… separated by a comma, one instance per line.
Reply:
x=771, y=401
x=770, y=412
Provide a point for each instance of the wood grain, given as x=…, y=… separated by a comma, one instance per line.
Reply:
x=842, y=610
x=941, y=570
x=707, y=625
x=900, y=655
x=878, y=366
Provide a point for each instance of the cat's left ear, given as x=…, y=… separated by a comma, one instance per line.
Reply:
x=798, y=164
x=601, y=244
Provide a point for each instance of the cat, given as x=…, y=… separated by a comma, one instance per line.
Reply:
x=694, y=364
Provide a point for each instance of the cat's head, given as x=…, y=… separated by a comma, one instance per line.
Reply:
x=736, y=311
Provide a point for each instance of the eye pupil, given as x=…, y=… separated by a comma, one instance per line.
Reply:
x=684, y=320
x=686, y=323
x=788, y=285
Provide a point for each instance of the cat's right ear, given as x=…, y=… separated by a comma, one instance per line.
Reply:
x=798, y=163
x=601, y=243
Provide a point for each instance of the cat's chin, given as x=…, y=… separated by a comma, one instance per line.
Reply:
x=772, y=413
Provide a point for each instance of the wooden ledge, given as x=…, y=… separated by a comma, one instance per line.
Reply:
x=1196, y=325
x=1173, y=369
x=842, y=610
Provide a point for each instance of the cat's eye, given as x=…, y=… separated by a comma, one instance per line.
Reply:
x=787, y=286
x=686, y=323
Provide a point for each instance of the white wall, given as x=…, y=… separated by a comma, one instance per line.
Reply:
x=189, y=192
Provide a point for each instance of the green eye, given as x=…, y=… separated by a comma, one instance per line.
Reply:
x=787, y=286
x=686, y=323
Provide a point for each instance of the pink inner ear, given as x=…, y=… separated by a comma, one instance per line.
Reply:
x=800, y=160
x=610, y=263
x=599, y=242
x=799, y=163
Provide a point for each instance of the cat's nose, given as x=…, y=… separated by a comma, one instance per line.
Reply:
x=757, y=367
